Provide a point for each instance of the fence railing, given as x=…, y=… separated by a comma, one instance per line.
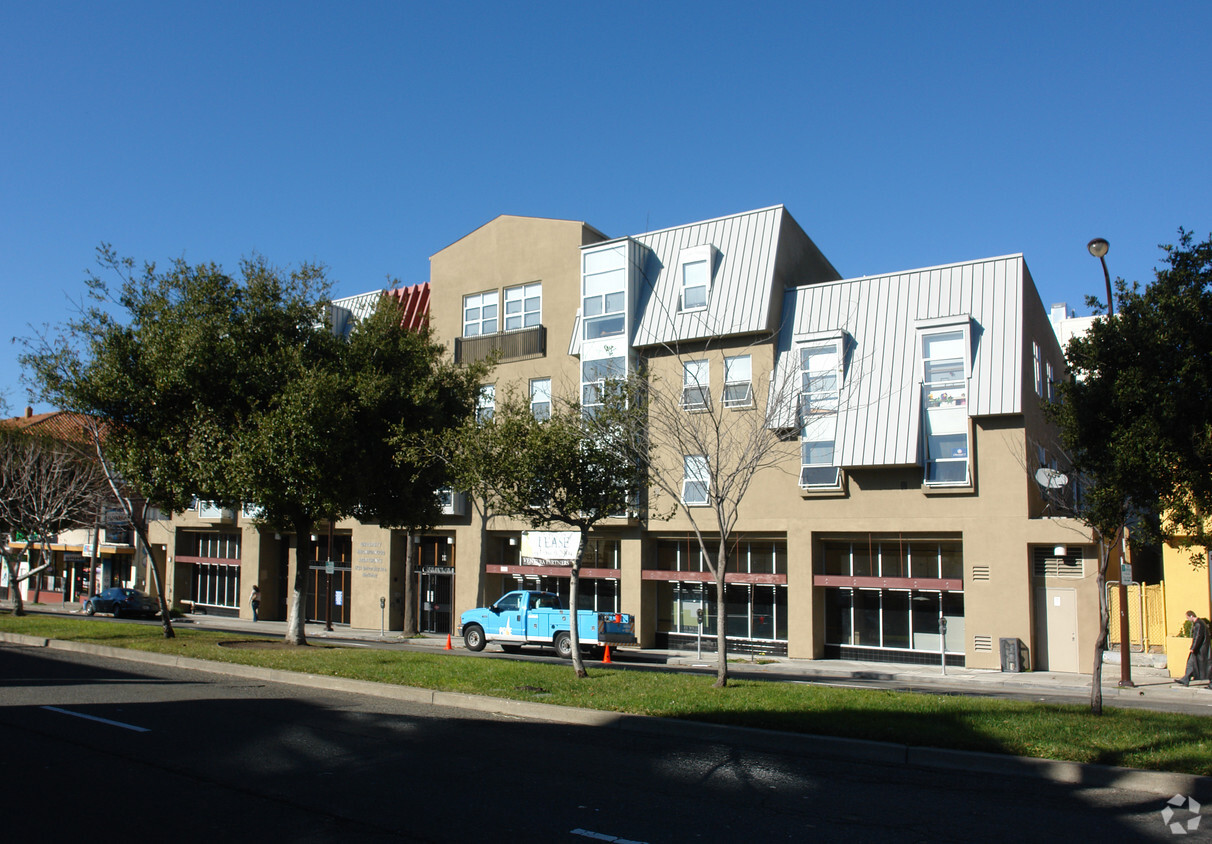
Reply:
x=512, y=345
x=1146, y=616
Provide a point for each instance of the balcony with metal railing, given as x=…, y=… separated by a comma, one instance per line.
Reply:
x=511, y=345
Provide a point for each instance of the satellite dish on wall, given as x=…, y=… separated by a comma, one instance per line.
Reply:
x=1050, y=478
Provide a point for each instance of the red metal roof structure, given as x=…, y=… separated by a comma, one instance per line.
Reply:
x=415, y=301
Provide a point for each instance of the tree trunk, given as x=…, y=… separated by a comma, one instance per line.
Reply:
x=410, y=603
x=721, y=630
x=574, y=591
x=140, y=529
x=14, y=588
x=1104, y=621
x=296, y=633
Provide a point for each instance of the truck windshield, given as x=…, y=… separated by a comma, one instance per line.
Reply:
x=546, y=601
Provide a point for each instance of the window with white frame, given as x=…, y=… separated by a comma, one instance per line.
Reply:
x=820, y=386
x=604, y=293
x=540, y=398
x=1039, y=372
x=695, y=479
x=694, y=269
x=1050, y=382
x=486, y=402
x=523, y=306
x=695, y=278
x=738, y=381
x=480, y=314
x=945, y=366
x=696, y=384
x=594, y=375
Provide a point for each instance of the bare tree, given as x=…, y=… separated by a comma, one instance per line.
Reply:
x=46, y=486
x=704, y=452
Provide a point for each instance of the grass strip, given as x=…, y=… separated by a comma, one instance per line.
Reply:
x=1136, y=738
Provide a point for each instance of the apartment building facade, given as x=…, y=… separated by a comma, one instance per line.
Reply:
x=904, y=521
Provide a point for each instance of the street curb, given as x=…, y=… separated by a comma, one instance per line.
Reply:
x=1162, y=783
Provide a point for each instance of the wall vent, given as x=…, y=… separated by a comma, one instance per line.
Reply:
x=982, y=643
x=1048, y=564
x=980, y=572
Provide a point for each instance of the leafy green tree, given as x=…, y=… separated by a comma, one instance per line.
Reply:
x=402, y=384
x=566, y=470
x=1136, y=417
x=235, y=389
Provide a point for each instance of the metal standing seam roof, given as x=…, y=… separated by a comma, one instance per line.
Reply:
x=879, y=421
x=741, y=285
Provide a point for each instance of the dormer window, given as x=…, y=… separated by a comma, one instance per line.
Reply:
x=695, y=266
x=945, y=356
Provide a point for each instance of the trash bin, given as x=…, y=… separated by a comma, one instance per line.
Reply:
x=1014, y=656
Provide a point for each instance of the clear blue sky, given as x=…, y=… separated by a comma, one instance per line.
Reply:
x=367, y=136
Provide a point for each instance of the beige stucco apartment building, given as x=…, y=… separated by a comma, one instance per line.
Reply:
x=906, y=504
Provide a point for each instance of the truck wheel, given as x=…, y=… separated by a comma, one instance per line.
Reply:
x=473, y=637
x=563, y=646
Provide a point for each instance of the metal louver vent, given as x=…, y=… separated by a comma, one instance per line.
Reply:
x=1048, y=564
x=982, y=643
x=980, y=572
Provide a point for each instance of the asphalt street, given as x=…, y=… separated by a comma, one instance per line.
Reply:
x=104, y=747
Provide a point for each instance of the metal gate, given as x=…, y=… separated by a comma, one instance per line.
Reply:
x=435, y=595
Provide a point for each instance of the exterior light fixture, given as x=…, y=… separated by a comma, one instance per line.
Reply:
x=1059, y=551
x=1098, y=248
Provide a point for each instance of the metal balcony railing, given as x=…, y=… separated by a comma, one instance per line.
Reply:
x=512, y=345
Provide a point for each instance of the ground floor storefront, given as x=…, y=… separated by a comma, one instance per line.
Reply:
x=903, y=597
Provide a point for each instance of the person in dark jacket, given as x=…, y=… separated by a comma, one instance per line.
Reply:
x=1197, y=660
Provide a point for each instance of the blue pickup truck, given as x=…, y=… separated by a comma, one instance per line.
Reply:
x=527, y=617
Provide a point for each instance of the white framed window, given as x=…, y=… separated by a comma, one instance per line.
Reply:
x=695, y=479
x=604, y=293
x=540, y=398
x=820, y=388
x=486, y=402
x=594, y=374
x=523, y=306
x=738, y=381
x=819, y=379
x=944, y=360
x=1050, y=382
x=694, y=269
x=696, y=384
x=1039, y=371
x=945, y=367
x=694, y=286
x=480, y=314
x=816, y=465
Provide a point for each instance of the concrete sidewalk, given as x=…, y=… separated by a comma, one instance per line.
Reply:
x=1153, y=687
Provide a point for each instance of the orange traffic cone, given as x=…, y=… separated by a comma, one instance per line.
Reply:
x=448, y=647
x=606, y=656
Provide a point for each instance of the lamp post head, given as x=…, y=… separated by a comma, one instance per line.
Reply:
x=1098, y=247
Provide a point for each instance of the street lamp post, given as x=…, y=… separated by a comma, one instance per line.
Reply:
x=1098, y=247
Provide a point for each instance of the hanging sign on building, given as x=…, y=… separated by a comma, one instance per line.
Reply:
x=549, y=547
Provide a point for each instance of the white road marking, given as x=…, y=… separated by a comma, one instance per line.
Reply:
x=601, y=836
x=99, y=720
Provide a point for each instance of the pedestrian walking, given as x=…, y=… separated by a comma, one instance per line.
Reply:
x=1197, y=660
x=255, y=600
